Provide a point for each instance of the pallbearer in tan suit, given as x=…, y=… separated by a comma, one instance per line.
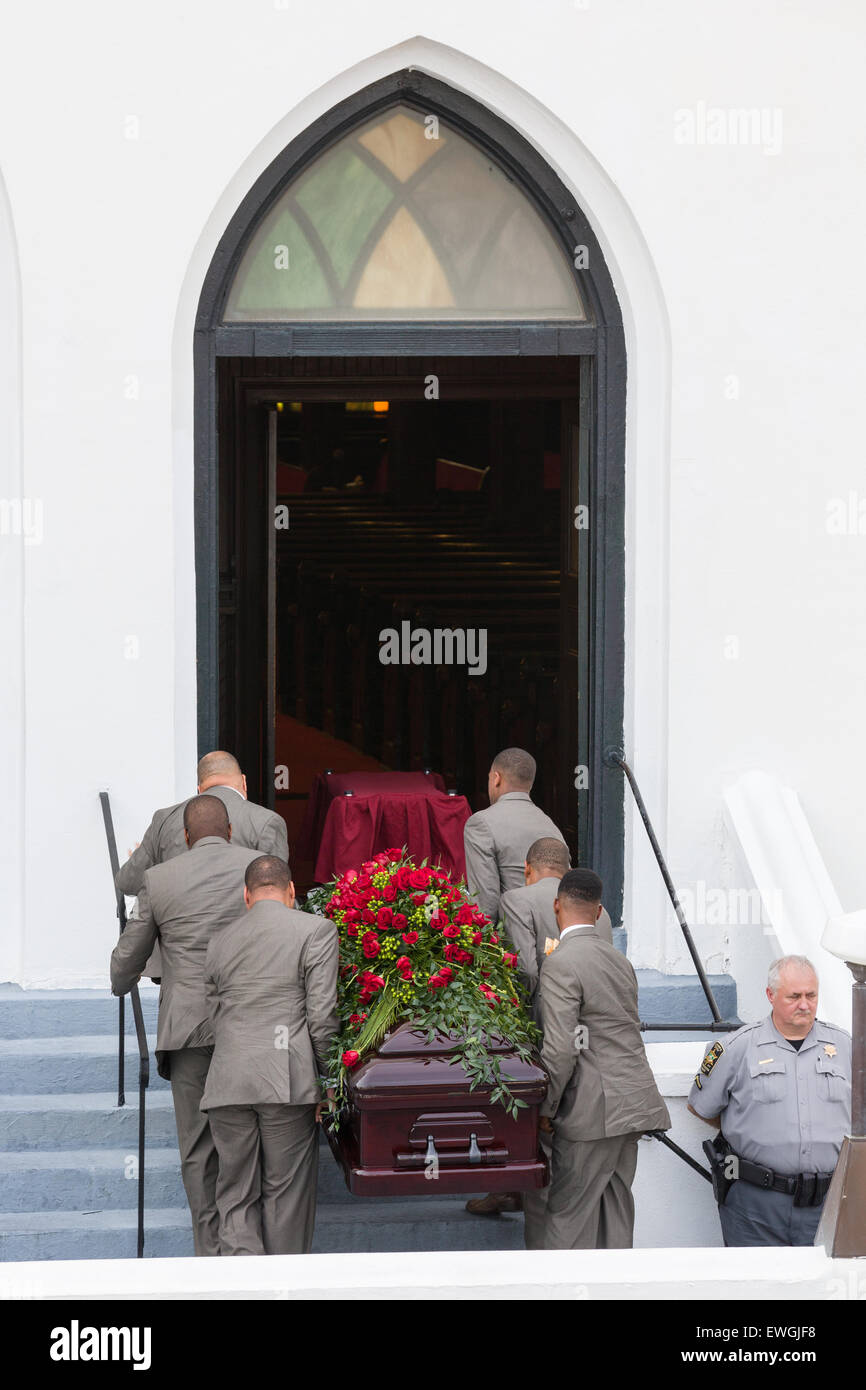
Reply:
x=532, y=927
x=496, y=839
x=530, y=921
x=182, y=904
x=602, y=1095
x=271, y=981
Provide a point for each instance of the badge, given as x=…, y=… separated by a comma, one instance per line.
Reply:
x=830, y=1049
x=698, y=1082
x=711, y=1058
x=550, y=944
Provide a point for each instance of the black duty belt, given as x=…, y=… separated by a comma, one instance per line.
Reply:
x=807, y=1189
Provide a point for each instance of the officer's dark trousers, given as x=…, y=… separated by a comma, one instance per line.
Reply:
x=198, y=1155
x=752, y=1216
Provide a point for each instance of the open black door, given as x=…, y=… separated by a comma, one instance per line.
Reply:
x=575, y=761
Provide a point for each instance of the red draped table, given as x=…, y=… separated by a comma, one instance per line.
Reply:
x=384, y=810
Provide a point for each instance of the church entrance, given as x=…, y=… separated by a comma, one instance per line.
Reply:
x=409, y=482
x=416, y=604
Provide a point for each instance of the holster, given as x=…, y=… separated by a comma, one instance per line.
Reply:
x=717, y=1151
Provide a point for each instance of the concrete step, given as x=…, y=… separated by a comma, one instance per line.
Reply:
x=92, y=1178
x=82, y=1180
x=84, y=1119
x=427, y=1223
x=680, y=999
x=47, y=1013
x=102, y=1235
x=86, y=1062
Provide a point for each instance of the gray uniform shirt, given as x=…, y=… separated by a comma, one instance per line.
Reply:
x=784, y=1109
x=496, y=841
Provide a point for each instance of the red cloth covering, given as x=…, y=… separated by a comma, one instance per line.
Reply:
x=387, y=809
x=327, y=785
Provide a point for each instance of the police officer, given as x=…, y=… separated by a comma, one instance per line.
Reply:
x=779, y=1092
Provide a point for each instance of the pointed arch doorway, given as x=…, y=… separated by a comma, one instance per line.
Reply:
x=408, y=332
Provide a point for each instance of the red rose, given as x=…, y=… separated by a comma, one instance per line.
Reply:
x=451, y=932
x=389, y=892
x=385, y=917
x=394, y=854
x=371, y=949
x=368, y=917
x=453, y=895
x=451, y=951
x=369, y=867
x=464, y=957
x=382, y=859
x=364, y=882
x=477, y=938
x=351, y=1058
x=410, y=937
x=373, y=982
x=446, y=972
x=419, y=899
x=352, y=914
x=436, y=982
x=400, y=923
x=419, y=878
x=509, y=959
x=440, y=919
x=351, y=930
x=403, y=878
x=403, y=963
x=494, y=939
x=355, y=1019
x=464, y=915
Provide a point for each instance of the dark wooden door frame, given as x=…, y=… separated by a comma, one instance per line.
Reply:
x=600, y=338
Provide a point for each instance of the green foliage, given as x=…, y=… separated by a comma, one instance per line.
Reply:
x=414, y=949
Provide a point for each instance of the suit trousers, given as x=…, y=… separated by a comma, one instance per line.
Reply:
x=590, y=1206
x=268, y=1171
x=535, y=1202
x=188, y=1068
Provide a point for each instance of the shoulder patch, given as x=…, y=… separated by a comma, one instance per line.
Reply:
x=711, y=1058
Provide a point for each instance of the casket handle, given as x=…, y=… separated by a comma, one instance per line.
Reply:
x=474, y=1151
x=431, y=1155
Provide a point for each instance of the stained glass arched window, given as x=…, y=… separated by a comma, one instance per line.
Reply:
x=403, y=218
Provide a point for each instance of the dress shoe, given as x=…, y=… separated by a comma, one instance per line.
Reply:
x=494, y=1203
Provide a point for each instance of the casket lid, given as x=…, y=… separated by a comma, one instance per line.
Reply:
x=407, y=1041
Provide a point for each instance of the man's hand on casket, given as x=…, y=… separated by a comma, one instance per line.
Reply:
x=545, y=1124
x=323, y=1104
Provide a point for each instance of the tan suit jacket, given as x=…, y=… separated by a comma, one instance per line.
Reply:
x=271, y=987
x=530, y=923
x=252, y=825
x=496, y=840
x=601, y=1084
x=182, y=903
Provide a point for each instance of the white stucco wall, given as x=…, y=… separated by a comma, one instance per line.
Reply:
x=125, y=152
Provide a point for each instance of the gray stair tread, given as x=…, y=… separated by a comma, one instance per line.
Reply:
x=122, y=1219
x=427, y=1209
x=85, y=1100
x=15, y=994
x=15, y=1160
x=91, y=1044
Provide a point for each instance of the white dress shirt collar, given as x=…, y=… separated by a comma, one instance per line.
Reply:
x=575, y=926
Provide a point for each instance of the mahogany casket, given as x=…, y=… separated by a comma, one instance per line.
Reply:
x=413, y=1126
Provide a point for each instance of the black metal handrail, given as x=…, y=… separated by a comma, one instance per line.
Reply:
x=138, y=1017
x=613, y=757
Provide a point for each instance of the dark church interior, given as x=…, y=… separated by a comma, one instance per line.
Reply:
x=443, y=513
